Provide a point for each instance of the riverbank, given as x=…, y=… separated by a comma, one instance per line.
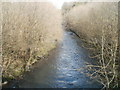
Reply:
x=61, y=68
x=27, y=36
x=97, y=26
x=14, y=82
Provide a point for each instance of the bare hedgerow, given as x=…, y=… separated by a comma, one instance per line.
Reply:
x=96, y=24
x=30, y=30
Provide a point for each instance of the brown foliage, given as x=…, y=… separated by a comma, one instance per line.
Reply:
x=30, y=30
x=96, y=24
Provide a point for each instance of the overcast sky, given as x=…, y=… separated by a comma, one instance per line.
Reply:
x=58, y=3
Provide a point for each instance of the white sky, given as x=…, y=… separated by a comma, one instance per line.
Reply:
x=59, y=3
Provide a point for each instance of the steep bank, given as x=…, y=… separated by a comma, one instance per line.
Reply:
x=96, y=25
x=30, y=31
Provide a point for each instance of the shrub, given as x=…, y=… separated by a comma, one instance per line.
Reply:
x=96, y=24
x=30, y=31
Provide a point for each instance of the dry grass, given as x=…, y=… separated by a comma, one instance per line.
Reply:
x=96, y=24
x=30, y=30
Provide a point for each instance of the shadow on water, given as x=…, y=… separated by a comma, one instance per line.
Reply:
x=59, y=71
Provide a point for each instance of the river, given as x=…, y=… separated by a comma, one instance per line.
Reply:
x=60, y=70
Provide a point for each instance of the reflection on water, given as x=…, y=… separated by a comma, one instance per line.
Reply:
x=59, y=70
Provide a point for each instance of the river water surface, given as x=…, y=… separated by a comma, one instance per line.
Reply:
x=60, y=70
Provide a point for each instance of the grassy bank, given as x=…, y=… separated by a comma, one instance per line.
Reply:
x=30, y=31
x=96, y=24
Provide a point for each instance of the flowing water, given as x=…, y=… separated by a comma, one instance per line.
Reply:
x=60, y=70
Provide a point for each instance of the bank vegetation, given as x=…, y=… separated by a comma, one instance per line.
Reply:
x=29, y=31
x=97, y=26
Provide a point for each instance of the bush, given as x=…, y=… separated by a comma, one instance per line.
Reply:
x=96, y=24
x=30, y=31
